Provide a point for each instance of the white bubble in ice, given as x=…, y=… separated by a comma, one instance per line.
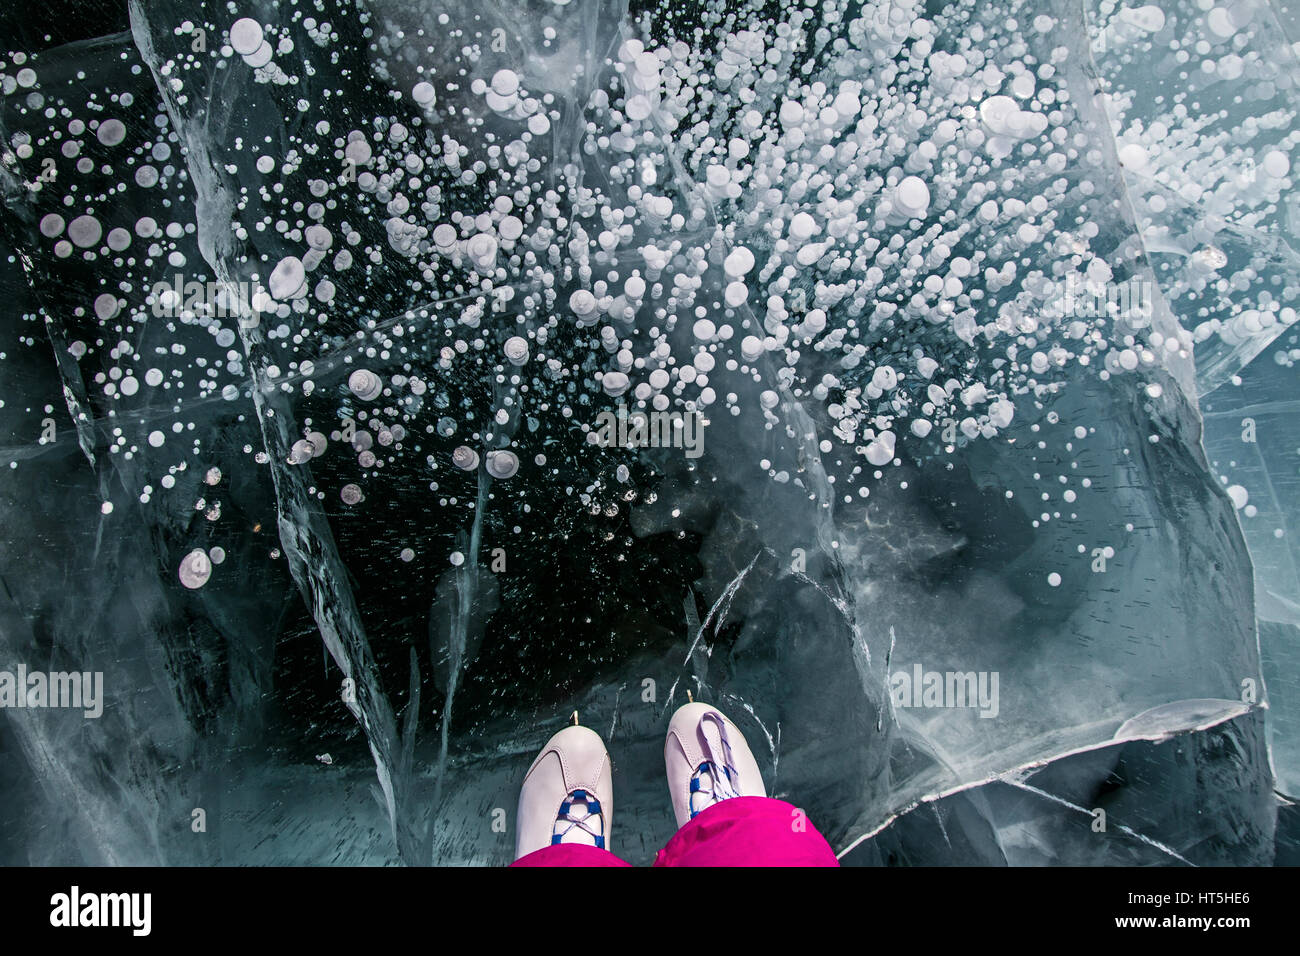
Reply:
x=358, y=151
x=1004, y=118
x=424, y=93
x=1219, y=20
x=516, y=350
x=791, y=113
x=318, y=237
x=614, y=383
x=261, y=56
x=407, y=555
x=465, y=458
x=482, y=249
x=51, y=225
x=502, y=464
x=365, y=384
x=912, y=197
x=351, y=494
x=1239, y=496
x=456, y=558
x=639, y=107
x=301, y=452
x=246, y=36
x=288, y=278
x=1149, y=19
x=803, y=226
x=1210, y=258
x=1001, y=412
x=880, y=451
x=738, y=263
x=85, y=231
x=736, y=294
x=647, y=64
x=318, y=443
x=505, y=82
x=106, y=306
x=1054, y=579
x=111, y=132
x=444, y=235
x=582, y=302
x=1133, y=156
x=510, y=228
x=1276, y=163
x=195, y=569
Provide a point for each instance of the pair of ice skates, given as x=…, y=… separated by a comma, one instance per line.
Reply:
x=568, y=793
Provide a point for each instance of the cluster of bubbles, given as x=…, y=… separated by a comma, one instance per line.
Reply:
x=1202, y=103
x=867, y=210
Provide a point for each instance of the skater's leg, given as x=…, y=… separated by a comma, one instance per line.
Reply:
x=566, y=804
x=724, y=815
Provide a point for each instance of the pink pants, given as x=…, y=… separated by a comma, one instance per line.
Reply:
x=742, y=831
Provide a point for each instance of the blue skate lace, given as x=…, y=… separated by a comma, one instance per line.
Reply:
x=570, y=821
x=720, y=786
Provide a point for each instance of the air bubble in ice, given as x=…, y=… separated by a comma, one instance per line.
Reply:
x=516, y=350
x=465, y=457
x=365, y=384
x=502, y=463
x=195, y=569
x=246, y=36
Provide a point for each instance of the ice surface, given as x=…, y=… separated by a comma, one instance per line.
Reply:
x=922, y=454
x=1203, y=130
x=1130, y=805
x=1254, y=449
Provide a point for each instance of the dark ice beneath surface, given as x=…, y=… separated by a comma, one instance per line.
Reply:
x=985, y=313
